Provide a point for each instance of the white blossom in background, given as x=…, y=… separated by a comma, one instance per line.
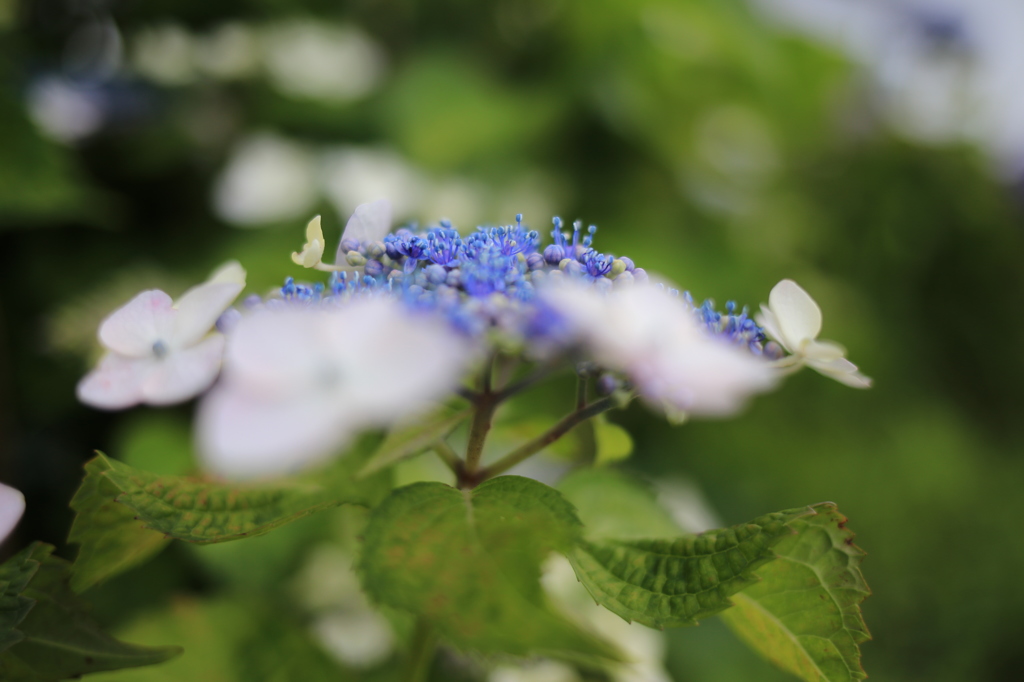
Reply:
x=793, y=319
x=161, y=352
x=63, y=110
x=165, y=54
x=944, y=70
x=350, y=176
x=231, y=51
x=300, y=383
x=12, y=506
x=643, y=646
x=322, y=61
x=649, y=335
x=534, y=671
x=266, y=179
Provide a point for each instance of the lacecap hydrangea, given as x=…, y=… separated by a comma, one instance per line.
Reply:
x=407, y=319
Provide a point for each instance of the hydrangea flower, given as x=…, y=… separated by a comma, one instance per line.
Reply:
x=12, y=506
x=793, y=319
x=651, y=336
x=300, y=382
x=160, y=352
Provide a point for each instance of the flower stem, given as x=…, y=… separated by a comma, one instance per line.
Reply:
x=448, y=456
x=421, y=652
x=534, y=446
x=486, y=402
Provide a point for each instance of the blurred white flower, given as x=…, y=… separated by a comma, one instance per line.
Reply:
x=534, y=671
x=267, y=179
x=63, y=110
x=322, y=61
x=230, y=51
x=794, y=320
x=160, y=352
x=165, y=54
x=944, y=70
x=300, y=382
x=648, y=334
x=643, y=646
x=12, y=506
x=351, y=176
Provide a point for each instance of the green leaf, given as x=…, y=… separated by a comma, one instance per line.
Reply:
x=15, y=574
x=804, y=615
x=613, y=505
x=613, y=442
x=111, y=537
x=125, y=516
x=672, y=583
x=469, y=562
x=59, y=640
x=414, y=439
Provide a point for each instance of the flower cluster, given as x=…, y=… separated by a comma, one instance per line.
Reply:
x=405, y=315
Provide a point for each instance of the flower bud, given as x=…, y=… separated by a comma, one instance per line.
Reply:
x=640, y=276
x=618, y=267
x=355, y=259
x=375, y=250
x=349, y=245
x=374, y=268
x=535, y=261
x=554, y=254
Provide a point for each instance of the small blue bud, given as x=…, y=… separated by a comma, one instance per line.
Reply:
x=554, y=254
x=436, y=274
x=350, y=244
x=640, y=276
x=374, y=268
x=629, y=263
x=535, y=261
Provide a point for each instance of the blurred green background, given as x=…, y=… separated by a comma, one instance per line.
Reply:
x=143, y=143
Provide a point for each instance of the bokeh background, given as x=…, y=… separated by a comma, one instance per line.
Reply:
x=872, y=150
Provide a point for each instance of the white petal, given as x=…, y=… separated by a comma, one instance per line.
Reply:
x=12, y=506
x=198, y=310
x=768, y=321
x=842, y=370
x=133, y=329
x=184, y=373
x=798, y=316
x=278, y=351
x=369, y=223
x=395, y=362
x=231, y=272
x=706, y=378
x=245, y=435
x=823, y=350
x=116, y=383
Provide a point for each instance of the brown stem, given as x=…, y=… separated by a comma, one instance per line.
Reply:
x=534, y=446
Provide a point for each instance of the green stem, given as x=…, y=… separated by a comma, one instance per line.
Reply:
x=448, y=456
x=421, y=652
x=534, y=446
x=485, y=406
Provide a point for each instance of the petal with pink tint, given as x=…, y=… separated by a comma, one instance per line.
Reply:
x=116, y=383
x=12, y=506
x=241, y=435
x=184, y=374
x=133, y=328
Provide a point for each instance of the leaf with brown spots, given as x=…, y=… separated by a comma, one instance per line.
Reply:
x=469, y=563
x=804, y=615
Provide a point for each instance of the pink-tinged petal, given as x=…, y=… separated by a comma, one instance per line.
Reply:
x=395, y=363
x=369, y=223
x=12, y=506
x=133, y=329
x=279, y=350
x=184, y=374
x=798, y=316
x=199, y=308
x=244, y=435
x=116, y=383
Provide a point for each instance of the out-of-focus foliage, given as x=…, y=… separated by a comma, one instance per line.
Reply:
x=708, y=145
